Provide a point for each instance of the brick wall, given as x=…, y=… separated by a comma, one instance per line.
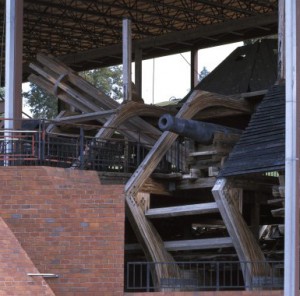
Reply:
x=14, y=267
x=69, y=224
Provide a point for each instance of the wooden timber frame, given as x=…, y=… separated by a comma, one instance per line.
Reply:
x=75, y=91
x=225, y=193
x=147, y=235
x=61, y=81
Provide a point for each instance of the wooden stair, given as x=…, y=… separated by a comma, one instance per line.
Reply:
x=187, y=210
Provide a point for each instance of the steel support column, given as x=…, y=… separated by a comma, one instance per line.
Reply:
x=13, y=63
x=292, y=146
x=127, y=58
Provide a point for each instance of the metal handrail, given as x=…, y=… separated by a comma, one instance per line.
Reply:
x=205, y=276
x=37, y=147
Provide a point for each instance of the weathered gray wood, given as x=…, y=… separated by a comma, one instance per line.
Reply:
x=199, y=244
x=48, y=87
x=85, y=94
x=125, y=112
x=203, y=153
x=243, y=239
x=144, y=230
x=189, y=245
x=187, y=210
x=197, y=184
x=199, y=100
x=278, y=212
x=85, y=116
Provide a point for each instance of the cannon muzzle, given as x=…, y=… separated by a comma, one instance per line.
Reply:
x=199, y=131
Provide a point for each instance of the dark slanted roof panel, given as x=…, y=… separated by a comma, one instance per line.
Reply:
x=249, y=68
x=261, y=147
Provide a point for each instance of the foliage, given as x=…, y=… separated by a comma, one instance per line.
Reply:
x=109, y=80
x=1, y=93
x=204, y=72
x=43, y=105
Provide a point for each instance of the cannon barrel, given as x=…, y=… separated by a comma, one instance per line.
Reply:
x=199, y=131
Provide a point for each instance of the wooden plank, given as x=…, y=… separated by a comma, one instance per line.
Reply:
x=189, y=245
x=135, y=124
x=48, y=87
x=278, y=212
x=243, y=239
x=147, y=235
x=125, y=112
x=85, y=116
x=187, y=210
x=199, y=244
x=203, y=153
x=197, y=184
x=199, y=100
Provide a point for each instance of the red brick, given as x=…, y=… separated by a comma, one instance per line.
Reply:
x=69, y=224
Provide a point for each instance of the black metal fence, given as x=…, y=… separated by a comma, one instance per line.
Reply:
x=207, y=276
x=82, y=152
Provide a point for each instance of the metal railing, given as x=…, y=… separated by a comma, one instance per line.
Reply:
x=37, y=147
x=206, y=276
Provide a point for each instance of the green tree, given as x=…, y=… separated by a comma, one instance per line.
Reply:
x=204, y=72
x=109, y=80
x=1, y=93
x=43, y=105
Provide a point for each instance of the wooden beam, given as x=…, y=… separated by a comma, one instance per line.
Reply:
x=76, y=89
x=197, y=184
x=187, y=210
x=127, y=111
x=189, y=245
x=158, y=187
x=243, y=239
x=194, y=68
x=85, y=116
x=138, y=63
x=198, y=100
x=174, y=37
x=199, y=244
x=147, y=235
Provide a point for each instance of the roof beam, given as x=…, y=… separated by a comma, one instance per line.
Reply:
x=175, y=37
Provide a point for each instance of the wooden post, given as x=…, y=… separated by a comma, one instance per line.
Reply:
x=138, y=70
x=194, y=68
x=245, y=244
x=127, y=59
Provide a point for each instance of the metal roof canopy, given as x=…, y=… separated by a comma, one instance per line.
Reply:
x=88, y=33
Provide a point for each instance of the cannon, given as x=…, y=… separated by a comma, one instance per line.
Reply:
x=199, y=131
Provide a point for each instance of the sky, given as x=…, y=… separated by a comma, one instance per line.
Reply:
x=172, y=73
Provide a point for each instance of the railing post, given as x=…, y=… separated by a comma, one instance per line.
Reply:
x=81, y=147
x=148, y=277
x=178, y=155
x=218, y=277
x=138, y=154
x=39, y=140
x=43, y=140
